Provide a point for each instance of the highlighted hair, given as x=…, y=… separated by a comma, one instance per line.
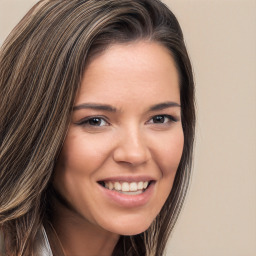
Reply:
x=41, y=66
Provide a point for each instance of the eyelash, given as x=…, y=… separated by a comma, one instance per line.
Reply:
x=86, y=121
x=171, y=119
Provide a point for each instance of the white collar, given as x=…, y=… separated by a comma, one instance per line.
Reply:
x=41, y=246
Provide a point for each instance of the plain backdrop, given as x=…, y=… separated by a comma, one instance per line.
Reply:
x=219, y=217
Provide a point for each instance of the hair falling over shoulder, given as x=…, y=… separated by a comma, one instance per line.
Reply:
x=41, y=66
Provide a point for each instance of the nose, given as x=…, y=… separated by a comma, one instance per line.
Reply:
x=131, y=148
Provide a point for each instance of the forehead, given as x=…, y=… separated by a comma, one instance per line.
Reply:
x=130, y=71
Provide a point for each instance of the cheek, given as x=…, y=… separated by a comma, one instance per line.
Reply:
x=169, y=152
x=168, y=159
x=83, y=153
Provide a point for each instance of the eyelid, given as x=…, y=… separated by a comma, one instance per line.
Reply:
x=172, y=118
x=84, y=120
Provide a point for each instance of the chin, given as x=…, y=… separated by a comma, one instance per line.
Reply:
x=129, y=228
x=132, y=231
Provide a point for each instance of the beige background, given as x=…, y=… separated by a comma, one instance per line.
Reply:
x=219, y=218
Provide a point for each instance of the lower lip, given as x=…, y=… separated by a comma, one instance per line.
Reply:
x=125, y=200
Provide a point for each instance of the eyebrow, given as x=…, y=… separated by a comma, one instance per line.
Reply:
x=95, y=106
x=110, y=108
x=164, y=105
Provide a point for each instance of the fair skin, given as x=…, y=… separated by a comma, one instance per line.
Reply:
x=125, y=133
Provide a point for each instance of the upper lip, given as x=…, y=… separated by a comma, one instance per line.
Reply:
x=129, y=178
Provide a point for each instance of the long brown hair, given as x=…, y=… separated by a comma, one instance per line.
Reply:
x=41, y=66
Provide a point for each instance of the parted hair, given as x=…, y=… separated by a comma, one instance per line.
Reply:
x=42, y=63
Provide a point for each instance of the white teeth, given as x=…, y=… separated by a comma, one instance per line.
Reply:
x=117, y=186
x=132, y=192
x=145, y=184
x=125, y=187
x=132, y=188
x=110, y=185
x=140, y=185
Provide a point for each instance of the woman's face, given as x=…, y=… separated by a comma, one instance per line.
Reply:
x=125, y=140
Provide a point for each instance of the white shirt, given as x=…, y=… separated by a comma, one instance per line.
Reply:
x=41, y=246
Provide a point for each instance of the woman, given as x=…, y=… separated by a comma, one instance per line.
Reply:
x=97, y=128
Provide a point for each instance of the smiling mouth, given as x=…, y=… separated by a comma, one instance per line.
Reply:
x=129, y=188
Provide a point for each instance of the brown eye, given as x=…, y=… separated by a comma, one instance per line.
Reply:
x=93, y=121
x=158, y=119
x=162, y=119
